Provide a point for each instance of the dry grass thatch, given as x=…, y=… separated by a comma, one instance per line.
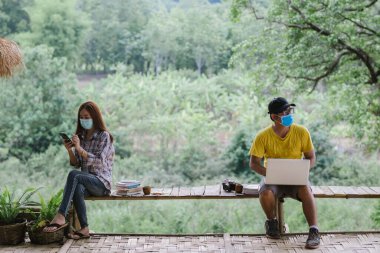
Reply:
x=10, y=57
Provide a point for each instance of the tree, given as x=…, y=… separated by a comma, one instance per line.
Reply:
x=37, y=104
x=115, y=34
x=190, y=35
x=238, y=154
x=13, y=17
x=60, y=25
x=333, y=44
x=160, y=36
x=205, y=35
x=339, y=32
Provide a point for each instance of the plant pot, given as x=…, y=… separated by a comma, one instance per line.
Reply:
x=39, y=237
x=13, y=233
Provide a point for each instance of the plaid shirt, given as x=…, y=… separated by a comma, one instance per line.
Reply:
x=100, y=153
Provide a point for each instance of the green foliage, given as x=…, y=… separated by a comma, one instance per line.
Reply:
x=242, y=8
x=325, y=153
x=149, y=36
x=331, y=44
x=48, y=210
x=60, y=25
x=333, y=215
x=238, y=154
x=186, y=217
x=115, y=34
x=186, y=36
x=227, y=216
x=357, y=106
x=11, y=206
x=355, y=169
x=376, y=215
x=37, y=104
x=13, y=17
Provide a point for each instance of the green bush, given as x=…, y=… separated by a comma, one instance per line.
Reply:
x=359, y=169
x=322, y=172
x=376, y=215
x=37, y=104
x=237, y=154
x=11, y=206
x=48, y=210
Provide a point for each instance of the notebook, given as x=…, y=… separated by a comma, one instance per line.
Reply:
x=287, y=171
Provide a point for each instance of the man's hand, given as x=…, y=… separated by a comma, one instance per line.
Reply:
x=310, y=156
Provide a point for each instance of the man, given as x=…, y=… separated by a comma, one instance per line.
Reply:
x=283, y=139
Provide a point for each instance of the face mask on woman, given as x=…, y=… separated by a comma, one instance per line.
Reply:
x=86, y=123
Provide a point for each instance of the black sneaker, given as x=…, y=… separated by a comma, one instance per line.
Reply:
x=313, y=239
x=272, y=230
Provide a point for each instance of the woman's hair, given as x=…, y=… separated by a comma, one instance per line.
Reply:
x=96, y=116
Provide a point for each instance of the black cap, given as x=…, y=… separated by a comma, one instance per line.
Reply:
x=278, y=105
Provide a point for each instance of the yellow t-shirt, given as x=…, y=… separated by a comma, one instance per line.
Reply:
x=268, y=144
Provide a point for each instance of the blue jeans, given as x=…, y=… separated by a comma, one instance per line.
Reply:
x=79, y=185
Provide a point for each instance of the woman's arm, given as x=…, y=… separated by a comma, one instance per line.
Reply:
x=99, y=156
x=81, y=152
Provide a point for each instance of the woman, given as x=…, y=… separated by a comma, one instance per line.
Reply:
x=93, y=153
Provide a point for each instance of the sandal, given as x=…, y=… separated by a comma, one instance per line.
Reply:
x=54, y=225
x=78, y=235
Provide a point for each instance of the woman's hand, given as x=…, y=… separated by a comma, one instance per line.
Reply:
x=68, y=144
x=76, y=142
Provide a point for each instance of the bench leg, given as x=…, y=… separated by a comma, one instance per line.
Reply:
x=74, y=224
x=280, y=214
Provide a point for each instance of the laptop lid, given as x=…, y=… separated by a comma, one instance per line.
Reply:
x=287, y=171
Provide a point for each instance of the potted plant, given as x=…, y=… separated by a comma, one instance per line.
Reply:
x=47, y=213
x=12, y=228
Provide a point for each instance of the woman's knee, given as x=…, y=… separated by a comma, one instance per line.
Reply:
x=73, y=174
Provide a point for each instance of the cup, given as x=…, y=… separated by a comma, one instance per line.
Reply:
x=146, y=190
x=238, y=188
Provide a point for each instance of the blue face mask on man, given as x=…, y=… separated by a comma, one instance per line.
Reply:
x=287, y=120
x=86, y=123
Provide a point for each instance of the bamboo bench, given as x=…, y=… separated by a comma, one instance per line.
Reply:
x=217, y=192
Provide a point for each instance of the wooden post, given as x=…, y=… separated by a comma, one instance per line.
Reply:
x=73, y=220
x=76, y=221
x=280, y=214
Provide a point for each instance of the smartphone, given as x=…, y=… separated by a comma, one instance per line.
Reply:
x=65, y=137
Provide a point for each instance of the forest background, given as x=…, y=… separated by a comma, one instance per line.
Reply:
x=184, y=87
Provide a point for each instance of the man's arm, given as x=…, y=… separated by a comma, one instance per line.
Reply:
x=311, y=156
x=255, y=165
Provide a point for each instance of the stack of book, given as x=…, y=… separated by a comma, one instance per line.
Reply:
x=129, y=188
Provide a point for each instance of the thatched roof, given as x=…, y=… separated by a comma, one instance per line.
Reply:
x=10, y=57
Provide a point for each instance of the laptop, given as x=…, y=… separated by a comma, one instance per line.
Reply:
x=287, y=171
